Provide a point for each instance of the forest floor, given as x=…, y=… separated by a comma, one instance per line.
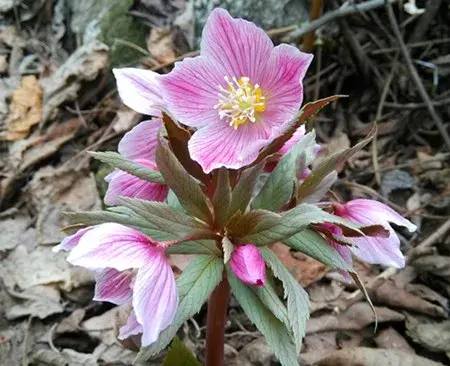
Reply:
x=58, y=101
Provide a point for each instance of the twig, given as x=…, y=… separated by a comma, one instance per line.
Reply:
x=411, y=45
x=308, y=42
x=413, y=106
x=343, y=11
x=25, y=341
x=425, y=20
x=415, y=76
x=50, y=338
x=431, y=240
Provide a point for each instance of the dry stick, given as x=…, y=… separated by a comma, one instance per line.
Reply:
x=415, y=76
x=413, y=106
x=308, y=42
x=343, y=11
x=425, y=20
x=411, y=45
x=389, y=272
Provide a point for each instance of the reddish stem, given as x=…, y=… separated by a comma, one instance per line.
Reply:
x=215, y=324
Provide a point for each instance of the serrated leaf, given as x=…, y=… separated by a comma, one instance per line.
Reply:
x=118, y=161
x=326, y=166
x=179, y=355
x=321, y=189
x=313, y=244
x=243, y=191
x=297, y=298
x=163, y=221
x=222, y=198
x=253, y=221
x=195, y=285
x=227, y=248
x=206, y=247
x=277, y=335
x=172, y=200
x=271, y=229
x=181, y=183
x=279, y=187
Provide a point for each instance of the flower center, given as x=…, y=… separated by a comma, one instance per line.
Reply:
x=240, y=101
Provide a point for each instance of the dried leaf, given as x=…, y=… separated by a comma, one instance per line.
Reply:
x=432, y=335
x=25, y=110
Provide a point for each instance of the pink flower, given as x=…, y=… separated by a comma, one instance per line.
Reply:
x=371, y=249
x=130, y=269
x=248, y=265
x=138, y=145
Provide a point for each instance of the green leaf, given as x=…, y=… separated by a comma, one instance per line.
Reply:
x=243, y=191
x=277, y=335
x=297, y=298
x=271, y=229
x=253, y=221
x=183, y=185
x=321, y=189
x=180, y=355
x=118, y=161
x=163, y=222
x=279, y=187
x=333, y=162
x=206, y=247
x=222, y=198
x=172, y=200
x=195, y=285
x=313, y=244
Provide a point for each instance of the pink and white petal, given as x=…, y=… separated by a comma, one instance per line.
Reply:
x=248, y=265
x=343, y=250
x=113, y=286
x=220, y=145
x=377, y=250
x=70, y=242
x=122, y=184
x=238, y=45
x=296, y=137
x=282, y=84
x=191, y=91
x=155, y=297
x=132, y=327
x=141, y=141
x=140, y=90
x=112, y=245
x=374, y=212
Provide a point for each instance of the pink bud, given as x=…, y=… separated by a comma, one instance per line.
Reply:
x=248, y=265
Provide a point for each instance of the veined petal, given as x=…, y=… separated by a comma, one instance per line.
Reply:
x=296, y=137
x=377, y=250
x=113, y=286
x=282, y=84
x=122, y=184
x=112, y=246
x=238, y=45
x=70, y=242
x=191, y=91
x=141, y=141
x=248, y=265
x=374, y=212
x=139, y=90
x=132, y=327
x=155, y=297
x=221, y=145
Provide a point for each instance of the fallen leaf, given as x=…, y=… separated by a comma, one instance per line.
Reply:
x=394, y=180
x=65, y=357
x=14, y=231
x=125, y=120
x=432, y=335
x=356, y=317
x=305, y=270
x=3, y=64
x=390, y=338
x=71, y=323
x=160, y=45
x=335, y=144
x=437, y=265
x=363, y=356
x=25, y=109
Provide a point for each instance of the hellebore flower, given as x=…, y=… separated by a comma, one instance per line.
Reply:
x=131, y=269
x=371, y=249
x=248, y=265
x=138, y=145
x=240, y=91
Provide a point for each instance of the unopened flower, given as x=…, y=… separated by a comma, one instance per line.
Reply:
x=371, y=249
x=131, y=269
x=139, y=146
x=248, y=265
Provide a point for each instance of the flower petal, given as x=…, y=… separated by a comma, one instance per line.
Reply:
x=155, y=297
x=122, y=184
x=248, y=265
x=296, y=137
x=132, y=327
x=191, y=91
x=221, y=145
x=113, y=286
x=238, y=45
x=112, y=246
x=374, y=212
x=139, y=90
x=70, y=242
x=141, y=141
x=282, y=84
